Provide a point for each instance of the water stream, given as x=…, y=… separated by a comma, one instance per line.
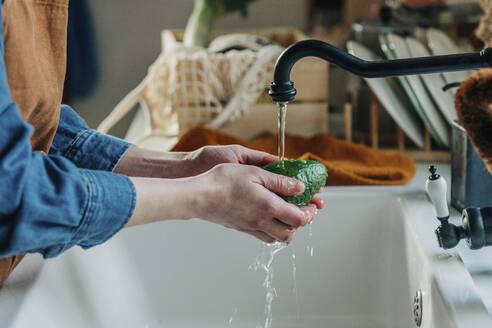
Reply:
x=309, y=248
x=282, y=112
x=229, y=322
x=265, y=258
x=264, y=262
x=294, y=279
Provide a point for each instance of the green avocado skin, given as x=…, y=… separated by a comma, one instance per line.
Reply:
x=312, y=173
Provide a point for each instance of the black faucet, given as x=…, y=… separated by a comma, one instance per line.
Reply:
x=282, y=88
x=476, y=225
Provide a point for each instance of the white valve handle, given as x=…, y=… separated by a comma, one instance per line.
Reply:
x=436, y=188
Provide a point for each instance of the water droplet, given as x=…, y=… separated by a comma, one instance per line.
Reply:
x=229, y=323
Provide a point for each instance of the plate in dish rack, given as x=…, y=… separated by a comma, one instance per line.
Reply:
x=389, y=52
x=393, y=100
x=441, y=44
x=434, y=83
x=420, y=98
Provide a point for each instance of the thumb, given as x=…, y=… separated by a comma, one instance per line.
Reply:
x=282, y=185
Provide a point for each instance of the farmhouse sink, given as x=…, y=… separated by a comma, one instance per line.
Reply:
x=370, y=260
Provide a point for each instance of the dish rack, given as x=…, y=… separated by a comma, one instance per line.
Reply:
x=427, y=154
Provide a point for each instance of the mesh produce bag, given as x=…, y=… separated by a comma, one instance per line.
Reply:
x=186, y=87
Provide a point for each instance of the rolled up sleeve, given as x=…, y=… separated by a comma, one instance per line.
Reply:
x=106, y=211
x=84, y=147
x=47, y=204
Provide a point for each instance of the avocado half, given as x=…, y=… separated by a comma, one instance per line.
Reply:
x=312, y=173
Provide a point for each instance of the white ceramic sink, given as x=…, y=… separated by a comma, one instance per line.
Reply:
x=373, y=248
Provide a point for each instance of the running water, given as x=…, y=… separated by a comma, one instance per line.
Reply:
x=282, y=111
x=229, y=322
x=309, y=248
x=294, y=278
x=265, y=258
x=264, y=262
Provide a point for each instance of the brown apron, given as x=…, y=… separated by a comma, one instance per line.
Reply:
x=34, y=34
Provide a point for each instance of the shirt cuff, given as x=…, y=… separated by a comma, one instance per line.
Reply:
x=96, y=151
x=110, y=205
x=86, y=148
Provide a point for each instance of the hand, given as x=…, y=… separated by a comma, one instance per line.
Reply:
x=139, y=162
x=207, y=157
x=244, y=198
x=237, y=196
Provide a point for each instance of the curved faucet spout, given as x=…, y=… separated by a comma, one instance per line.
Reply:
x=282, y=89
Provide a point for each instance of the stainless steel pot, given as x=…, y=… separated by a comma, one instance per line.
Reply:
x=471, y=183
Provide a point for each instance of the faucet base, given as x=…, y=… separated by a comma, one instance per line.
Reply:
x=478, y=225
x=476, y=229
x=448, y=235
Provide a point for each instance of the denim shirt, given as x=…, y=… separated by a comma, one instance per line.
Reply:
x=51, y=202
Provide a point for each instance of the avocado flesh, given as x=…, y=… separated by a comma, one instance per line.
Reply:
x=312, y=173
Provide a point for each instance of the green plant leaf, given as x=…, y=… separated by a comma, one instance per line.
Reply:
x=205, y=13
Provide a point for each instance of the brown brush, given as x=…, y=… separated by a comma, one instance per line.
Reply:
x=473, y=103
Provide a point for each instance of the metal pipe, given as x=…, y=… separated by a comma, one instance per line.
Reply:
x=282, y=89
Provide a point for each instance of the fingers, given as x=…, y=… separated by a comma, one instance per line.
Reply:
x=266, y=159
x=318, y=202
x=281, y=185
x=309, y=212
x=275, y=229
x=257, y=158
x=279, y=231
x=288, y=214
x=253, y=157
x=261, y=236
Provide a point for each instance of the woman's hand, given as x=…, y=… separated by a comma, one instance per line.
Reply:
x=207, y=157
x=138, y=162
x=244, y=198
x=241, y=197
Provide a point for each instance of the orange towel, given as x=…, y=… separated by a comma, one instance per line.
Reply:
x=347, y=163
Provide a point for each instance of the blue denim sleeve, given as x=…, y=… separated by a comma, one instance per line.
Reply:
x=84, y=147
x=47, y=203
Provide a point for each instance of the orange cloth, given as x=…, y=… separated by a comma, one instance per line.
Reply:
x=347, y=163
